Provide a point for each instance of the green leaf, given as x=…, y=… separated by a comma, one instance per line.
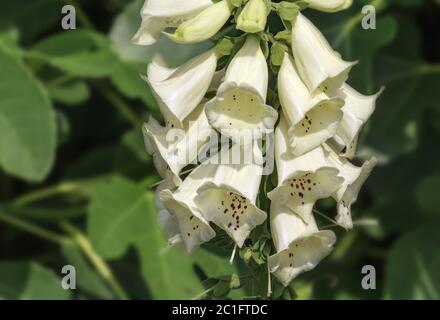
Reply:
x=126, y=76
x=29, y=281
x=118, y=216
x=167, y=271
x=31, y=19
x=73, y=93
x=134, y=141
x=413, y=265
x=427, y=195
x=27, y=122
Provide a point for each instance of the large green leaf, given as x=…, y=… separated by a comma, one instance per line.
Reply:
x=412, y=270
x=27, y=122
x=31, y=17
x=88, y=54
x=29, y=281
x=118, y=216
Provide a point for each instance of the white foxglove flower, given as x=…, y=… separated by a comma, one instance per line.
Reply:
x=253, y=18
x=167, y=221
x=318, y=64
x=329, y=5
x=354, y=177
x=300, y=246
x=302, y=180
x=313, y=117
x=157, y=15
x=179, y=91
x=229, y=199
x=173, y=148
x=240, y=101
x=205, y=25
x=357, y=110
x=194, y=230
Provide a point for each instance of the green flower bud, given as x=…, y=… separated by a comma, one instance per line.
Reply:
x=253, y=18
x=205, y=25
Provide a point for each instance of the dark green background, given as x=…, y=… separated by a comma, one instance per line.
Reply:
x=74, y=173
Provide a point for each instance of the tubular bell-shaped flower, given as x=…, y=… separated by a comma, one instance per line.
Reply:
x=354, y=177
x=317, y=63
x=313, y=117
x=179, y=91
x=173, y=148
x=357, y=110
x=193, y=227
x=329, y=5
x=302, y=180
x=205, y=25
x=229, y=198
x=253, y=18
x=240, y=101
x=300, y=246
x=157, y=15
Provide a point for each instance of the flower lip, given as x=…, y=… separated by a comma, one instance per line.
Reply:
x=156, y=146
x=302, y=255
x=300, y=246
x=318, y=125
x=167, y=221
x=237, y=107
x=194, y=229
x=230, y=209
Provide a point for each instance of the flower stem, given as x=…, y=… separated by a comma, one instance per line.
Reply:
x=100, y=265
x=120, y=105
x=34, y=229
x=52, y=191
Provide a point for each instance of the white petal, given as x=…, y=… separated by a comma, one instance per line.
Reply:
x=229, y=200
x=157, y=15
x=149, y=31
x=313, y=117
x=249, y=67
x=240, y=101
x=302, y=180
x=317, y=63
x=300, y=246
x=357, y=110
x=175, y=148
x=181, y=92
x=329, y=5
x=167, y=221
x=354, y=177
x=174, y=8
x=193, y=227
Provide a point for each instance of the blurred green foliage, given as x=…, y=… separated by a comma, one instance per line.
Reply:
x=75, y=181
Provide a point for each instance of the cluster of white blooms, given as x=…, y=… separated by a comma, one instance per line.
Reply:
x=315, y=129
